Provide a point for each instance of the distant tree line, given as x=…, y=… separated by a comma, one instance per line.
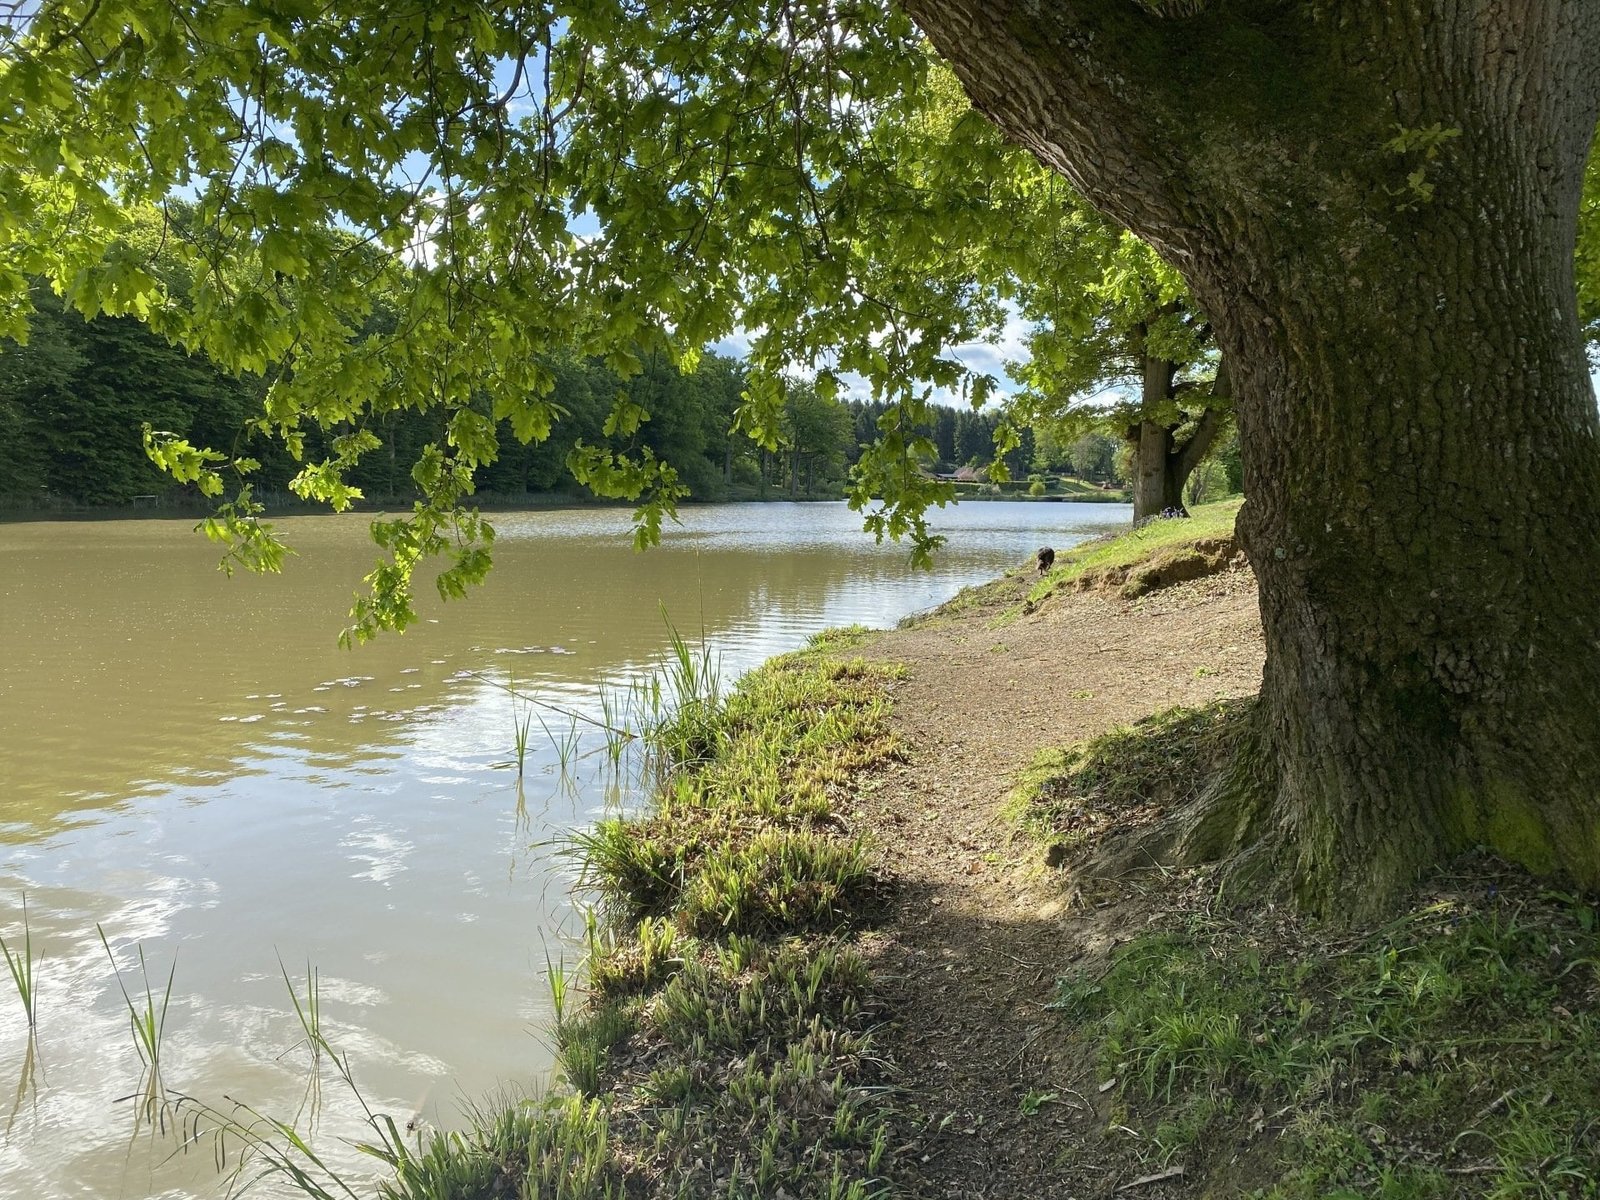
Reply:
x=73, y=400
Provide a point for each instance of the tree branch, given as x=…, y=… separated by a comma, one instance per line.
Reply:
x=1209, y=426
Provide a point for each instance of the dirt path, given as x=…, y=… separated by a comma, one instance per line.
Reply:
x=980, y=932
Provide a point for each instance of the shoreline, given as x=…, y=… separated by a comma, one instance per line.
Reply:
x=845, y=953
x=489, y=504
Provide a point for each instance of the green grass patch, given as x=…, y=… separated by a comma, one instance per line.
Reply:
x=748, y=828
x=723, y=1047
x=556, y=1149
x=1115, y=556
x=1451, y=1052
x=1081, y=489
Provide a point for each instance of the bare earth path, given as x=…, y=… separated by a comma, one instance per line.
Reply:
x=979, y=932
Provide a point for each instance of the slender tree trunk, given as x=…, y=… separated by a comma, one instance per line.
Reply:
x=1421, y=449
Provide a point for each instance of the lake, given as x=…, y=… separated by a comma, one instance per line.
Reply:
x=189, y=763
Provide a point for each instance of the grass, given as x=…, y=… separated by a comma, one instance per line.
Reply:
x=1104, y=556
x=722, y=1047
x=1074, y=488
x=147, y=1022
x=519, y=729
x=557, y=1149
x=1138, y=560
x=1450, y=1052
x=22, y=966
x=745, y=815
x=308, y=1012
x=565, y=746
x=251, y=1146
x=693, y=681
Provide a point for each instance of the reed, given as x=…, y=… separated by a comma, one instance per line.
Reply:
x=521, y=722
x=23, y=967
x=308, y=1011
x=614, y=722
x=560, y=986
x=565, y=746
x=260, y=1146
x=686, y=727
x=27, y=1081
x=147, y=1022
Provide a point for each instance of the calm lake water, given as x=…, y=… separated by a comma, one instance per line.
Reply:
x=190, y=763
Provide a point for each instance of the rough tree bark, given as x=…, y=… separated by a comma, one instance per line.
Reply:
x=1418, y=428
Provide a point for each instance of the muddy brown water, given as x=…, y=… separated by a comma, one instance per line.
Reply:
x=189, y=762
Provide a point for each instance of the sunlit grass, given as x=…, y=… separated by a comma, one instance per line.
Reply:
x=1455, y=1043
x=1136, y=545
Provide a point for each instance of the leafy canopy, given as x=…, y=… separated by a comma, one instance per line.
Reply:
x=617, y=179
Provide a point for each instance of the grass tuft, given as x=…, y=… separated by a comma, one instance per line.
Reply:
x=147, y=1022
x=22, y=966
x=555, y=1150
x=1450, y=1052
x=779, y=879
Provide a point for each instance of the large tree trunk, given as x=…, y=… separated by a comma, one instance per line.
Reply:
x=1417, y=424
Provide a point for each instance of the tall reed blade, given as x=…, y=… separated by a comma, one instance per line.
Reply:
x=148, y=1023
x=22, y=966
x=309, y=1013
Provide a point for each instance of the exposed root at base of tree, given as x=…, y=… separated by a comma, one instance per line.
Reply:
x=1192, y=787
x=1178, y=788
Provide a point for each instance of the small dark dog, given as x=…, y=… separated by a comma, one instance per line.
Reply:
x=1046, y=558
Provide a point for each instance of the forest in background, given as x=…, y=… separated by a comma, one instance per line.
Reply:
x=74, y=398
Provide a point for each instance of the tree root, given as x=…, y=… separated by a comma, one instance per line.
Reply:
x=1223, y=816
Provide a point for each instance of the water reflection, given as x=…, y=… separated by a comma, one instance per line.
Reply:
x=191, y=763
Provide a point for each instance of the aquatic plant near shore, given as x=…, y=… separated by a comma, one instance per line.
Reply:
x=259, y=1146
x=309, y=1014
x=22, y=966
x=147, y=1022
x=520, y=729
x=688, y=731
x=566, y=746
